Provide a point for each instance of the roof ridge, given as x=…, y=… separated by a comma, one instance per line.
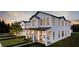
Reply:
x=48, y=14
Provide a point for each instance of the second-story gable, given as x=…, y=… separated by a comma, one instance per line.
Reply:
x=41, y=19
x=45, y=19
x=34, y=22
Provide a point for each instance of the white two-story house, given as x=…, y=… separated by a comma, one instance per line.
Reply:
x=46, y=28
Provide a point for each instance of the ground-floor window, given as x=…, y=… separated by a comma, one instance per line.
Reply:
x=62, y=33
x=53, y=35
x=59, y=34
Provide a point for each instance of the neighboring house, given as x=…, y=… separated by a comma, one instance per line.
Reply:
x=46, y=28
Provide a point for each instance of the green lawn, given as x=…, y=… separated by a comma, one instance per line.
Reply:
x=8, y=40
x=12, y=42
x=72, y=41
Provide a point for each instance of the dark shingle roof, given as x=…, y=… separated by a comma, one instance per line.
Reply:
x=48, y=14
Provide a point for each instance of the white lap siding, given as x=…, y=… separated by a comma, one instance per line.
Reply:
x=63, y=30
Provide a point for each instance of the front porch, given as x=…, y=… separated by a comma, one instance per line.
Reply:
x=38, y=35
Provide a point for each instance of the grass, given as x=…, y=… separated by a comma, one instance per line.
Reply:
x=12, y=42
x=8, y=40
x=72, y=41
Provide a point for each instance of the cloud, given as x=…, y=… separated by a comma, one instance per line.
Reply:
x=20, y=15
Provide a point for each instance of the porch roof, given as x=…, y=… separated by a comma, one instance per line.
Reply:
x=38, y=28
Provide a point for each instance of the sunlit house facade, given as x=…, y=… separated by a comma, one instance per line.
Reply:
x=46, y=28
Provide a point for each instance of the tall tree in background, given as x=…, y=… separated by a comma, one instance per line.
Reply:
x=75, y=28
x=4, y=28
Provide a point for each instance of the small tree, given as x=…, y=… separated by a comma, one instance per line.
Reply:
x=15, y=28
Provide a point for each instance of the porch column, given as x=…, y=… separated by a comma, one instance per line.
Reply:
x=46, y=39
x=33, y=38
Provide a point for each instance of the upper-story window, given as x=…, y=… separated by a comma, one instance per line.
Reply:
x=33, y=22
x=53, y=21
x=47, y=21
x=44, y=21
x=40, y=21
x=53, y=35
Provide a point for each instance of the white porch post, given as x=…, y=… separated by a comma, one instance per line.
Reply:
x=46, y=39
x=33, y=38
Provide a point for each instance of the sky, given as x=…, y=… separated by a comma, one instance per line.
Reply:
x=11, y=16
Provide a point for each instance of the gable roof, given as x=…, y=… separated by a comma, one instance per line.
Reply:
x=49, y=15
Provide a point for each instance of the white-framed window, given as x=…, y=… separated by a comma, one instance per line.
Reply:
x=47, y=21
x=53, y=21
x=53, y=35
x=33, y=22
x=62, y=33
x=40, y=21
x=59, y=34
